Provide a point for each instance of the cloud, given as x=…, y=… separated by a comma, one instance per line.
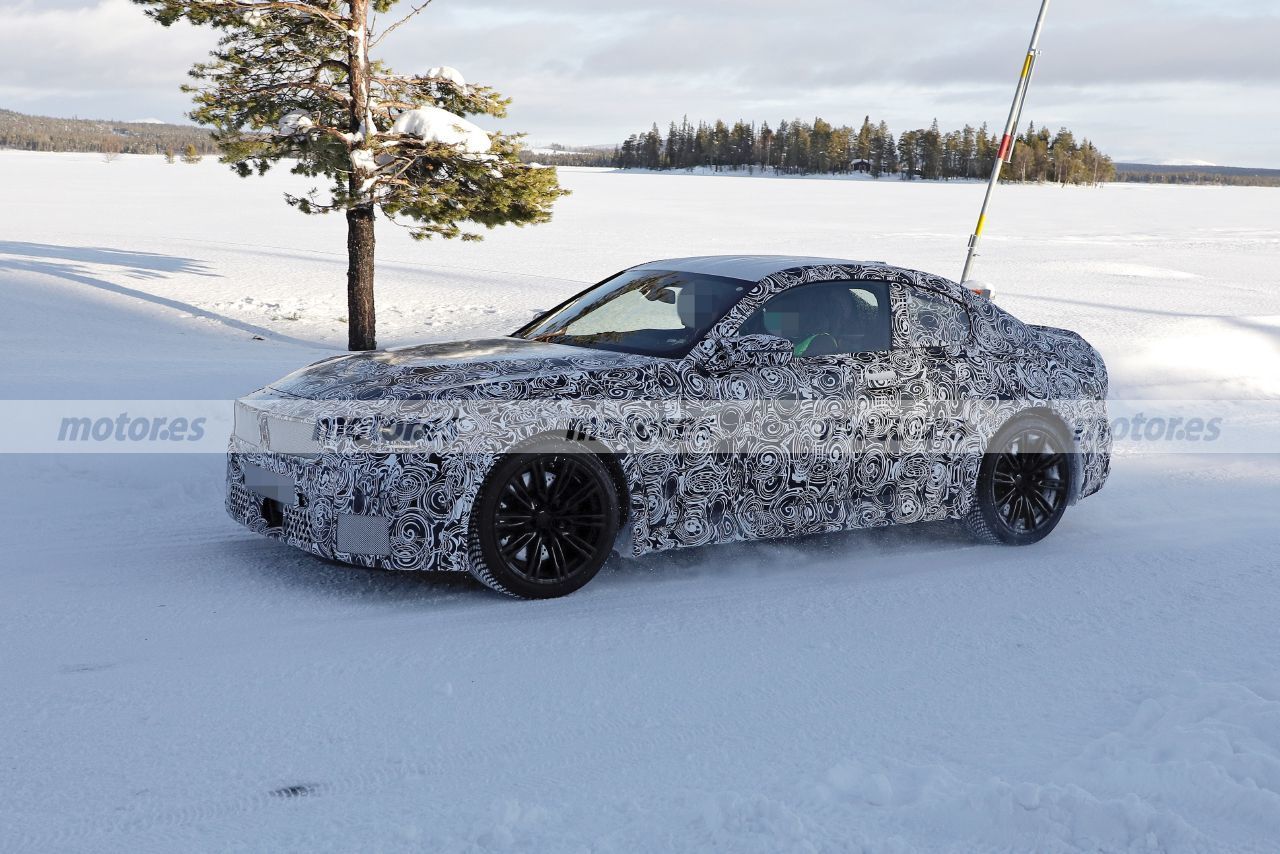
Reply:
x=82, y=51
x=1141, y=77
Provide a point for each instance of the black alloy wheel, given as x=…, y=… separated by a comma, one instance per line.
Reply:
x=544, y=523
x=1024, y=485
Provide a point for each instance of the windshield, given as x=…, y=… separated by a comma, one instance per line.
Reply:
x=650, y=312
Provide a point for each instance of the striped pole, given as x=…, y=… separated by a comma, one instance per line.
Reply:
x=1005, y=153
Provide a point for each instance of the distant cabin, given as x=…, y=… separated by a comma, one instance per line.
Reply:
x=861, y=166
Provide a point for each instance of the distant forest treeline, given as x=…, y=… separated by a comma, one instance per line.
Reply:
x=1233, y=176
x=817, y=148
x=43, y=133
x=794, y=148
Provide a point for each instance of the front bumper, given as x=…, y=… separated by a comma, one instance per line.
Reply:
x=385, y=511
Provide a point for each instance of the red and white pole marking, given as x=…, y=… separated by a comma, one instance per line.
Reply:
x=1005, y=153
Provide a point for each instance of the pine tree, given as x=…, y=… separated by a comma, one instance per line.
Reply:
x=891, y=162
x=764, y=155
x=295, y=79
x=672, y=153
x=191, y=155
x=909, y=154
x=653, y=148
x=931, y=152
x=865, y=134
x=170, y=156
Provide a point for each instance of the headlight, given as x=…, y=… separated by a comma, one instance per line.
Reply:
x=290, y=436
x=247, y=429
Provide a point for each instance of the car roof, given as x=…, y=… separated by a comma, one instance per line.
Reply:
x=752, y=268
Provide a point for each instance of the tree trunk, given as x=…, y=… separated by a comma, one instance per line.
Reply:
x=360, y=318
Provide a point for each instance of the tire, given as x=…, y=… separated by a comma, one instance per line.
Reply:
x=1024, y=484
x=544, y=521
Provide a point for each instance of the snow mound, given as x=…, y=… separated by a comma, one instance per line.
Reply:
x=295, y=122
x=432, y=124
x=445, y=72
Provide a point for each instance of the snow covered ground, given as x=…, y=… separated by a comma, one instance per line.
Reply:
x=173, y=683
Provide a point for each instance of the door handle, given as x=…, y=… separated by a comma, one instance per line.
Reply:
x=880, y=377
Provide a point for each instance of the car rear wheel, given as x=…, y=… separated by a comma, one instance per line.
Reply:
x=1024, y=484
x=544, y=522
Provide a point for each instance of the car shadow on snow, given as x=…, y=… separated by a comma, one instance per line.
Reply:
x=277, y=564
x=815, y=556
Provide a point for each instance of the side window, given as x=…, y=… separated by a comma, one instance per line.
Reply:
x=826, y=318
x=933, y=320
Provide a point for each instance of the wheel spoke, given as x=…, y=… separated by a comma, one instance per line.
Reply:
x=578, y=544
x=538, y=479
x=534, y=561
x=1045, y=462
x=1041, y=503
x=518, y=490
x=566, y=470
x=555, y=553
x=578, y=499
x=1028, y=513
x=513, y=546
x=1006, y=510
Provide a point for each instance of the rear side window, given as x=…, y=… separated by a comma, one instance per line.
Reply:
x=934, y=320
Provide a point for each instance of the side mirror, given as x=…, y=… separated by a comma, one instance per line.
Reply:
x=746, y=352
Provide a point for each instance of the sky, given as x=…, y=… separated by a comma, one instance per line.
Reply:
x=1147, y=80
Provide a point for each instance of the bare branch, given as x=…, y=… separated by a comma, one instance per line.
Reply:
x=404, y=20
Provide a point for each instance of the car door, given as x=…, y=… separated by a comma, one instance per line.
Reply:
x=794, y=452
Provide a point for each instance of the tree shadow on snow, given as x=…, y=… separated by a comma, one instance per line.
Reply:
x=138, y=265
x=61, y=262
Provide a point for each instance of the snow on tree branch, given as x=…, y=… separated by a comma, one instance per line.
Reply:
x=432, y=124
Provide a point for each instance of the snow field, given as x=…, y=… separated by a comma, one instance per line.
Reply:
x=175, y=683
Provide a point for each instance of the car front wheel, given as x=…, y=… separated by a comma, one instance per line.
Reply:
x=1024, y=484
x=544, y=522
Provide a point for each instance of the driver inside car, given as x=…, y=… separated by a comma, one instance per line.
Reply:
x=811, y=318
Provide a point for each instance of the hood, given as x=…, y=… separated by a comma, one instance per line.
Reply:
x=426, y=370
